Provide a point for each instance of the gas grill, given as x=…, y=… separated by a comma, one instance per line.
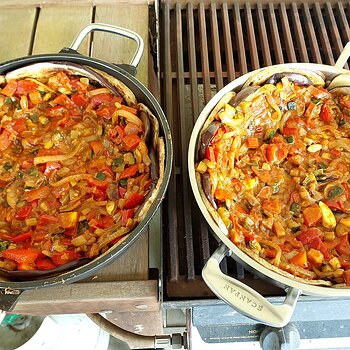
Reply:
x=203, y=47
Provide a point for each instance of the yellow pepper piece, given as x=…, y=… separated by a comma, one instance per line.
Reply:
x=68, y=220
x=250, y=183
x=328, y=218
x=345, y=221
x=335, y=263
x=202, y=167
x=279, y=229
x=315, y=256
x=225, y=215
x=245, y=106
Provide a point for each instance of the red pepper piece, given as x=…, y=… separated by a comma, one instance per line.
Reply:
x=21, y=255
x=45, y=264
x=134, y=200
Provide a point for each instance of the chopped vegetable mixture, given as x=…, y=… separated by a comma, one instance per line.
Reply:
x=74, y=169
x=278, y=168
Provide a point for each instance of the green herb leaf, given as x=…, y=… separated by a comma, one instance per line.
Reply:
x=275, y=189
x=317, y=101
x=295, y=208
x=34, y=171
x=123, y=183
x=34, y=117
x=270, y=134
x=342, y=122
x=118, y=161
x=100, y=176
x=83, y=226
x=335, y=192
x=290, y=139
x=4, y=245
x=8, y=100
x=7, y=166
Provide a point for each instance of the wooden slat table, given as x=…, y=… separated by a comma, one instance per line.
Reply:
x=37, y=27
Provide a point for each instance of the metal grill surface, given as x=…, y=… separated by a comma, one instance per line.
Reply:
x=203, y=47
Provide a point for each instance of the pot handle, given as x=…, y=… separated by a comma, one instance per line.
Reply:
x=111, y=29
x=344, y=56
x=245, y=299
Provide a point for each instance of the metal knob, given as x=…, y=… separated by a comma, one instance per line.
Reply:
x=286, y=338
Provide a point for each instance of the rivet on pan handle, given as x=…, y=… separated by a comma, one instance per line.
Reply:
x=115, y=30
x=245, y=299
x=344, y=56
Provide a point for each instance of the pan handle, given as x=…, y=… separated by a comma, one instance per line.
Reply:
x=245, y=299
x=111, y=29
x=344, y=56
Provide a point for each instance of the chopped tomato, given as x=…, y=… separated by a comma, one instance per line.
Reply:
x=131, y=141
x=316, y=243
x=129, y=172
x=335, y=153
x=312, y=215
x=20, y=125
x=100, y=184
x=61, y=258
x=290, y=131
x=276, y=153
x=347, y=275
x=80, y=100
x=10, y=88
x=132, y=128
x=270, y=253
x=103, y=222
x=127, y=214
x=37, y=193
x=306, y=236
x=22, y=237
x=134, y=200
x=5, y=141
x=51, y=167
x=56, y=111
x=46, y=219
x=326, y=113
x=106, y=98
x=25, y=87
x=343, y=248
x=106, y=111
x=61, y=190
x=21, y=255
x=24, y=212
x=45, y=264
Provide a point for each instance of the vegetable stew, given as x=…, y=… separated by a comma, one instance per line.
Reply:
x=275, y=170
x=74, y=170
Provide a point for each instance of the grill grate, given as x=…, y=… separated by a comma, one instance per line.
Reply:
x=203, y=47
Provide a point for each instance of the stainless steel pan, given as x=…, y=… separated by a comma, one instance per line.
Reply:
x=235, y=293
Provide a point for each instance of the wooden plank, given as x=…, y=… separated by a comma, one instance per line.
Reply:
x=50, y=3
x=90, y=298
x=116, y=49
x=18, y=23
x=58, y=26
